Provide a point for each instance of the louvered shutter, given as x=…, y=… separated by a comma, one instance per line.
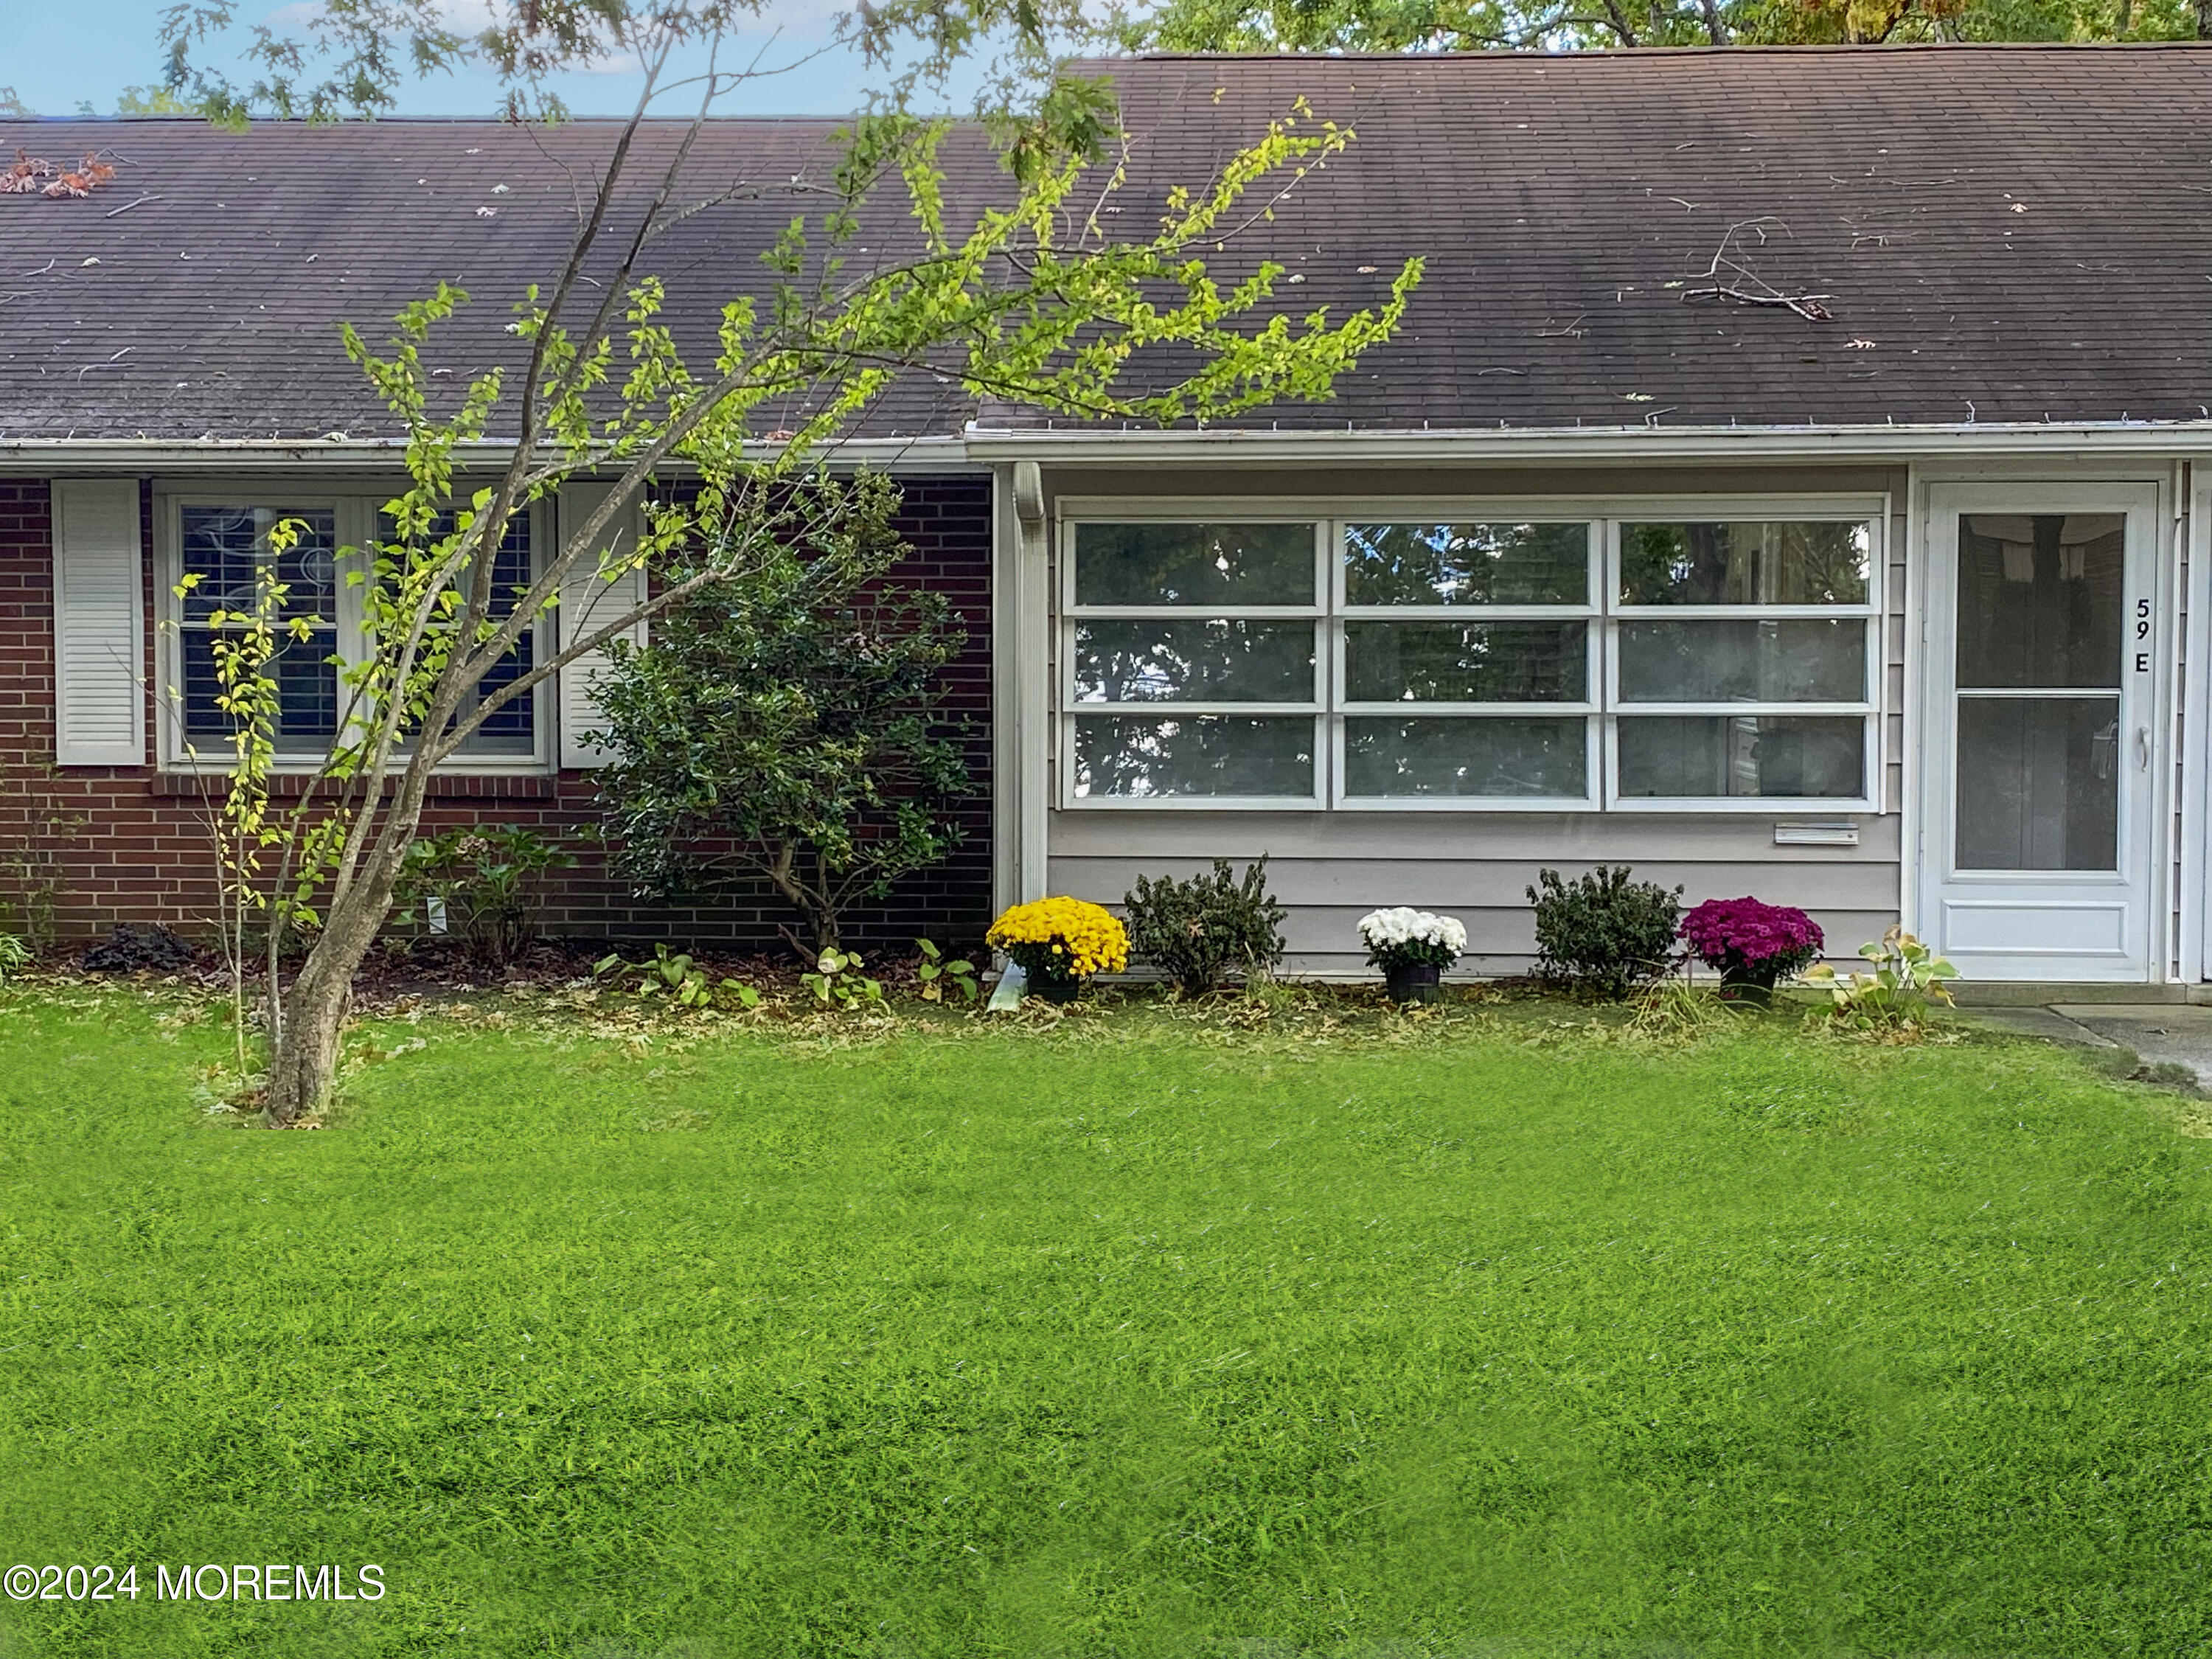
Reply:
x=588, y=604
x=100, y=628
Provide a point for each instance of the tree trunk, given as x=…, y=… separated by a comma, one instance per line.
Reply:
x=304, y=1064
x=2204, y=20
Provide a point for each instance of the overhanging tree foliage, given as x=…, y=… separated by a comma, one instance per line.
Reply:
x=1568, y=25
x=1031, y=299
x=790, y=723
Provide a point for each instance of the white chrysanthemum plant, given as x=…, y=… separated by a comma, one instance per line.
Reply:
x=1402, y=937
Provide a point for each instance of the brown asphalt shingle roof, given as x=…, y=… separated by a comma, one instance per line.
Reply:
x=2010, y=233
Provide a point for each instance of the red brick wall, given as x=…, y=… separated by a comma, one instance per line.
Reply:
x=92, y=846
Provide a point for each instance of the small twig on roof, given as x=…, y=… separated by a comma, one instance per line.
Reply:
x=1575, y=328
x=1733, y=280
x=127, y=206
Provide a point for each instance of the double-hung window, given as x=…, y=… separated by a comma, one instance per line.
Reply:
x=1559, y=661
x=224, y=544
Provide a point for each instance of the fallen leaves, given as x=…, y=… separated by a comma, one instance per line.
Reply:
x=23, y=177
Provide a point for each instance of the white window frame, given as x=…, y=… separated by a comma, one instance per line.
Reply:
x=1602, y=712
x=354, y=515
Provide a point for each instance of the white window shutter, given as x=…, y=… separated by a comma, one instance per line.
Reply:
x=588, y=603
x=100, y=624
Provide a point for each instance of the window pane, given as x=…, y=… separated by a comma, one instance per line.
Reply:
x=513, y=730
x=1194, y=564
x=1467, y=564
x=2040, y=600
x=1797, y=660
x=1225, y=756
x=307, y=689
x=1211, y=660
x=2039, y=783
x=1495, y=758
x=1466, y=662
x=1778, y=756
x=1767, y=563
x=224, y=545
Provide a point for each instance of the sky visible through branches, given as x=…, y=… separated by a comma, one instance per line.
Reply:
x=45, y=55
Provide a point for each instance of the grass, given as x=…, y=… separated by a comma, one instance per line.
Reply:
x=1137, y=1334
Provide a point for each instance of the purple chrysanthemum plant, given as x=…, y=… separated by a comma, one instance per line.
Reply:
x=1743, y=937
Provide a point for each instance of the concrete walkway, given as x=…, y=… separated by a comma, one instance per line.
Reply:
x=2167, y=1033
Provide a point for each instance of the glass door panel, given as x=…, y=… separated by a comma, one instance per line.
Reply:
x=2041, y=603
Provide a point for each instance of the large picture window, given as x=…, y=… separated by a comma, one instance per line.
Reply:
x=1566, y=662
x=224, y=544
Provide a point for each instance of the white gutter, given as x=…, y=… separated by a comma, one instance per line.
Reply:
x=981, y=445
x=1638, y=443
x=34, y=455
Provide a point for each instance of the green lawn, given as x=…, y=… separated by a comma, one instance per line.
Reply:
x=1141, y=1335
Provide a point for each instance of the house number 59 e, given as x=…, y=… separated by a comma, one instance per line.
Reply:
x=2142, y=632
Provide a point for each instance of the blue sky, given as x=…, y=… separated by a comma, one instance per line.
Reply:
x=56, y=53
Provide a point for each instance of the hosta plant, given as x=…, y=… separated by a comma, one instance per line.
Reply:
x=838, y=982
x=674, y=976
x=937, y=974
x=1908, y=979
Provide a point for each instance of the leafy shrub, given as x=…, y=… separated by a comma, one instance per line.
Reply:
x=130, y=949
x=1062, y=940
x=1908, y=980
x=479, y=883
x=1200, y=930
x=1741, y=935
x=13, y=955
x=1602, y=934
x=790, y=723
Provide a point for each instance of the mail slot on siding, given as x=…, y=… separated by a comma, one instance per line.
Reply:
x=1835, y=832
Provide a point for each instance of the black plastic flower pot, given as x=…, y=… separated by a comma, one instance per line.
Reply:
x=1056, y=990
x=1420, y=981
x=1749, y=982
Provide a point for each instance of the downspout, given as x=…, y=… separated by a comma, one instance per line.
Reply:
x=1032, y=657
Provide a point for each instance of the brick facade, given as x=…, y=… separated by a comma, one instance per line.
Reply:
x=84, y=848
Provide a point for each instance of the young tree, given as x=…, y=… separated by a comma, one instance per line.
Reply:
x=1030, y=298
x=790, y=723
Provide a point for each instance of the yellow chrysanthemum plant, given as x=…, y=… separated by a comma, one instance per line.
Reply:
x=1059, y=943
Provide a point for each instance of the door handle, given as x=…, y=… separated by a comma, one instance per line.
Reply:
x=2143, y=748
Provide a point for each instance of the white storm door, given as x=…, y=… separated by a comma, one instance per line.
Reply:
x=2043, y=670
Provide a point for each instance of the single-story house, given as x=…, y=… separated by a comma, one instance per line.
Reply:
x=1787, y=481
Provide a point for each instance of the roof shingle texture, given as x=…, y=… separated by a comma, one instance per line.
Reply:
x=2018, y=234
